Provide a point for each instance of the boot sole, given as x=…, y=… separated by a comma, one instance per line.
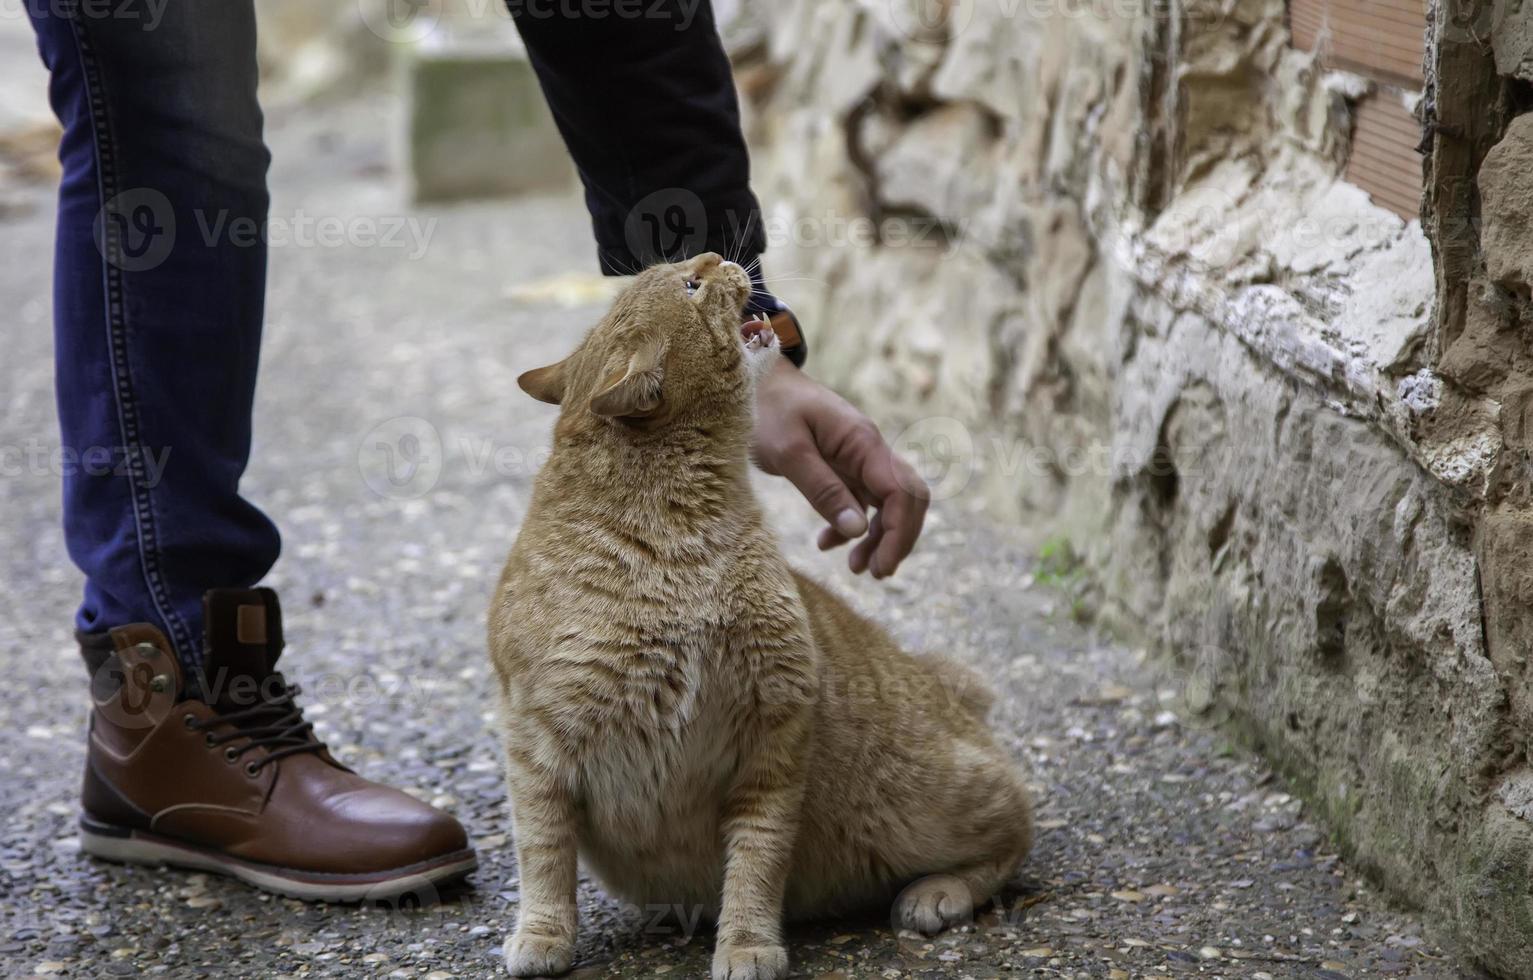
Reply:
x=412, y=885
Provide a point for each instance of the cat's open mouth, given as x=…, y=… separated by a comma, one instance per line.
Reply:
x=757, y=334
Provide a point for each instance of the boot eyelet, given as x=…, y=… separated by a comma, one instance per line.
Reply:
x=208, y=738
x=147, y=649
x=191, y=721
x=231, y=754
x=252, y=770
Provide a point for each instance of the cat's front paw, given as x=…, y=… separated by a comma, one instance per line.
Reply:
x=731, y=962
x=538, y=956
x=934, y=903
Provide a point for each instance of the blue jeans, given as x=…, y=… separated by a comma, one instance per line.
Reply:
x=158, y=332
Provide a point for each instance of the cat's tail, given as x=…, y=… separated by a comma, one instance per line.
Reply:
x=959, y=686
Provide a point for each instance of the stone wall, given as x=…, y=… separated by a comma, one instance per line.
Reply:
x=1095, y=259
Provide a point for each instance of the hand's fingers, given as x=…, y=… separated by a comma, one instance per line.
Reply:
x=897, y=491
x=826, y=492
x=902, y=515
x=862, y=552
x=829, y=539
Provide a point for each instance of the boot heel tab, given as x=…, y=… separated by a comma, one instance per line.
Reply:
x=140, y=641
x=135, y=680
x=95, y=650
x=243, y=629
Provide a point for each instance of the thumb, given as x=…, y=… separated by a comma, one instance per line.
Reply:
x=826, y=492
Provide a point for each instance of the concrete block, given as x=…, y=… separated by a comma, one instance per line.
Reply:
x=478, y=126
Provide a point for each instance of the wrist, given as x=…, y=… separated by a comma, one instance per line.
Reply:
x=783, y=394
x=784, y=377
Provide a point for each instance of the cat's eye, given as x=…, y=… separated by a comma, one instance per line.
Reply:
x=692, y=286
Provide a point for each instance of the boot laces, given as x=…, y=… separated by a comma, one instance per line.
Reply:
x=276, y=724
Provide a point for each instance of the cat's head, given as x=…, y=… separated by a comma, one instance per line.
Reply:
x=675, y=347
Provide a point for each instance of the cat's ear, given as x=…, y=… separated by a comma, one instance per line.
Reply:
x=633, y=390
x=546, y=384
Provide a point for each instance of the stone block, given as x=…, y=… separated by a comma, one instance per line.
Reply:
x=1517, y=419
x=941, y=164
x=1506, y=576
x=1512, y=38
x=1506, y=192
x=479, y=127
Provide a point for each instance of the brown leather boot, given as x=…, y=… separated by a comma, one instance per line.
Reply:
x=221, y=773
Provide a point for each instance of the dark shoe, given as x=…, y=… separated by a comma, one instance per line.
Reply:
x=221, y=773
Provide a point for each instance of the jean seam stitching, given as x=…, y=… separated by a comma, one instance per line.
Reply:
x=117, y=345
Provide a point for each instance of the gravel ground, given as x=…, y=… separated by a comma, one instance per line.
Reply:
x=1162, y=850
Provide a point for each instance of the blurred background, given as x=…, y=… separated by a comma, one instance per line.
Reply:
x=1204, y=319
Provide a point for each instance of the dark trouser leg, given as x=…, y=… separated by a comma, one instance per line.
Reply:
x=157, y=302
x=646, y=103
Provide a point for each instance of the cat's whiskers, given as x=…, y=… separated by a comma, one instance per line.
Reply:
x=622, y=267
x=737, y=247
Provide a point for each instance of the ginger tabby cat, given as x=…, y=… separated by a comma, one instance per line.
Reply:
x=703, y=727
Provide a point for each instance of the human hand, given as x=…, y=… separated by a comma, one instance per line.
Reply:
x=837, y=459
